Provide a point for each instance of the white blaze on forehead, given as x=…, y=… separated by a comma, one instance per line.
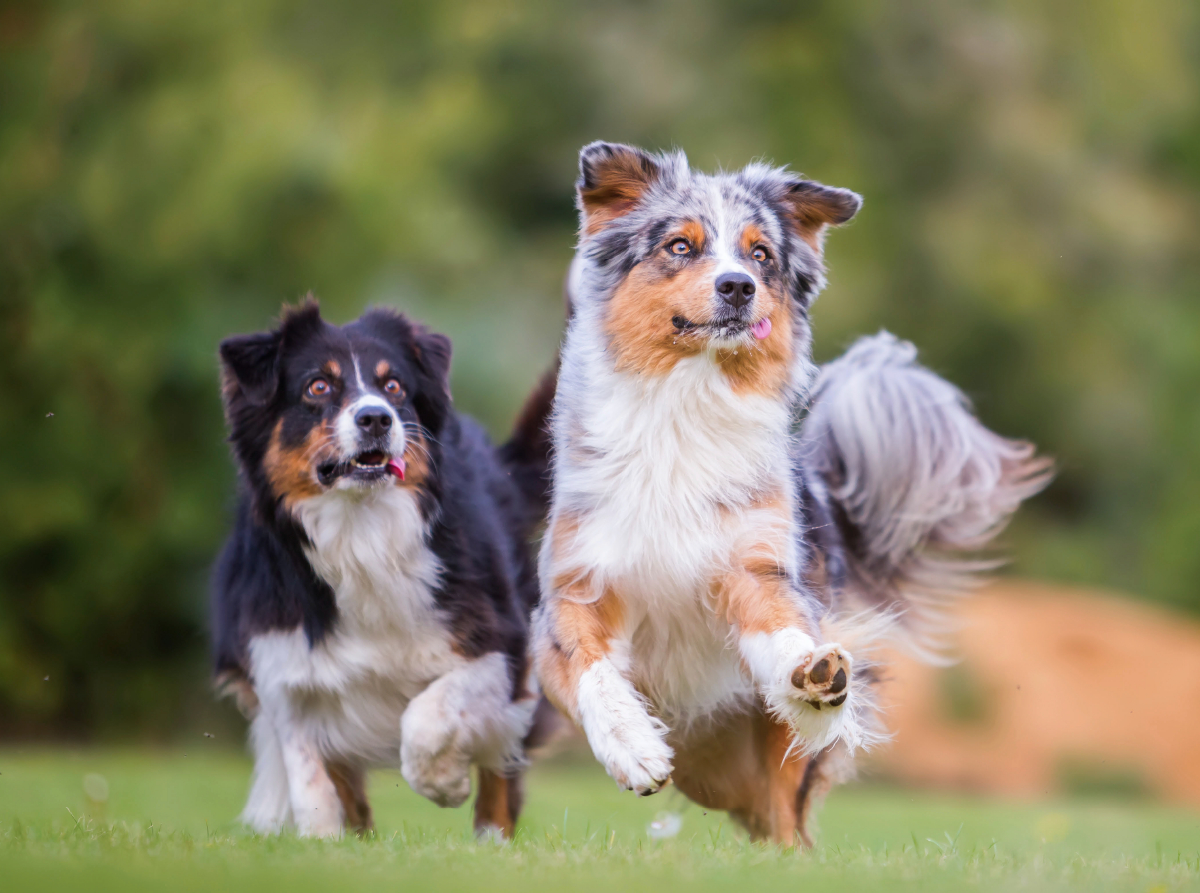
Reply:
x=347, y=429
x=362, y=388
x=726, y=236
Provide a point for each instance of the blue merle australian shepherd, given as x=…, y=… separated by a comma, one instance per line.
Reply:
x=371, y=605
x=711, y=567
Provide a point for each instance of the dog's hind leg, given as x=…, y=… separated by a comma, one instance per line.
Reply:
x=498, y=804
x=268, y=808
x=348, y=781
x=744, y=763
x=783, y=770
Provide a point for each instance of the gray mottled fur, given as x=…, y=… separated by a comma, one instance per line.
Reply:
x=915, y=480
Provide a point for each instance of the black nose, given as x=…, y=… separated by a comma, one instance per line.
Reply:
x=373, y=420
x=735, y=289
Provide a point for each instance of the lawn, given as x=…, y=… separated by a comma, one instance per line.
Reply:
x=136, y=819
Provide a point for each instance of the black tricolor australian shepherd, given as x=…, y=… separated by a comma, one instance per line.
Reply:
x=709, y=571
x=371, y=604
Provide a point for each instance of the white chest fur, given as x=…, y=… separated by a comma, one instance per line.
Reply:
x=388, y=643
x=662, y=475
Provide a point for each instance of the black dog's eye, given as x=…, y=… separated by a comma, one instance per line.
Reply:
x=319, y=387
x=680, y=248
x=393, y=387
x=760, y=254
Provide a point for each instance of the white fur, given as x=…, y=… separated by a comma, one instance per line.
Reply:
x=627, y=741
x=664, y=494
x=346, y=427
x=667, y=458
x=772, y=658
x=344, y=698
x=269, y=806
x=444, y=729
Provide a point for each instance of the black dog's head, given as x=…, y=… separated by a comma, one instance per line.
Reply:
x=314, y=407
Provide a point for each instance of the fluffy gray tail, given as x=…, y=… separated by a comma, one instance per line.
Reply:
x=915, y=482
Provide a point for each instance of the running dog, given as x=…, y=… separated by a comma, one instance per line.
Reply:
x=371, y=605
x=709, y=568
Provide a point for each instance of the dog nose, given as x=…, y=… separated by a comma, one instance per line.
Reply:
x=735, y=289
x=373, y=420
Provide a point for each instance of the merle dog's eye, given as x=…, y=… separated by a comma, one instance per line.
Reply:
x=393, y=387
x=319, y=388
x=680, y=247
x=760, y=254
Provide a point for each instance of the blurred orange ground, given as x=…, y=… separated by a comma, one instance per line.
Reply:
x=1058, y=689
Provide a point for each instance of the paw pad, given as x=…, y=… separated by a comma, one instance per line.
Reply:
x=824, y=677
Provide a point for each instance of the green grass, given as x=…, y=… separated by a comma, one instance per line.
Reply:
x=167, y=824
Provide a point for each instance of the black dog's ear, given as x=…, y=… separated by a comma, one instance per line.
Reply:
x=432, y=400
x=813, y=206
x=612, y=178
x=251, y=362
x=251, y=366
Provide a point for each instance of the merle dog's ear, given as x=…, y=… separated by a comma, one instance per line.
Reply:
x=432, y=399
x=251, y=366
x=612, y=178
x=814, y=206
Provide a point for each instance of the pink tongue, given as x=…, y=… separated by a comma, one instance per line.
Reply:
x=396, y=467
x=761, y=329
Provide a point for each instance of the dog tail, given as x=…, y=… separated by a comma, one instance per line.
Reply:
x=915, y=485
x=526, y=454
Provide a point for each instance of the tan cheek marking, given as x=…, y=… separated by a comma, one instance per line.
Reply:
x=416, y=459
x=639, y=316
x=292, y=470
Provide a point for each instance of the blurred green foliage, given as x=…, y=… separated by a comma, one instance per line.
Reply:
x=171, y=172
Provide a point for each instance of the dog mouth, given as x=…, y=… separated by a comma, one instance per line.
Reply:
x=723, y=328
x=371, y=459
x=365, y=467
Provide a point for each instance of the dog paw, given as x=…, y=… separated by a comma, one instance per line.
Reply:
x=823, y=678
x=316, y=821
x=444, y=778
x=645, y=771
x=625, y=738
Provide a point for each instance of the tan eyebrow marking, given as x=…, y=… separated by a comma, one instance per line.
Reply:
x=382, y=368
x=334, y=368
x=752, y=236
x=693, y=231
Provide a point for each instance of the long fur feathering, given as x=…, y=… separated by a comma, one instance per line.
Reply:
x=917, y=481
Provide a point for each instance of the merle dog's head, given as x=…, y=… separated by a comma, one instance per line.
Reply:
x=313, y=407
x=675, y=262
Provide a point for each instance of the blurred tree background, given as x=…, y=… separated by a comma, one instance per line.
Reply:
x=172, y=172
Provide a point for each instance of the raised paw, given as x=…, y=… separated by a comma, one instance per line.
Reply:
x=824, y=677
x=443, y=777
